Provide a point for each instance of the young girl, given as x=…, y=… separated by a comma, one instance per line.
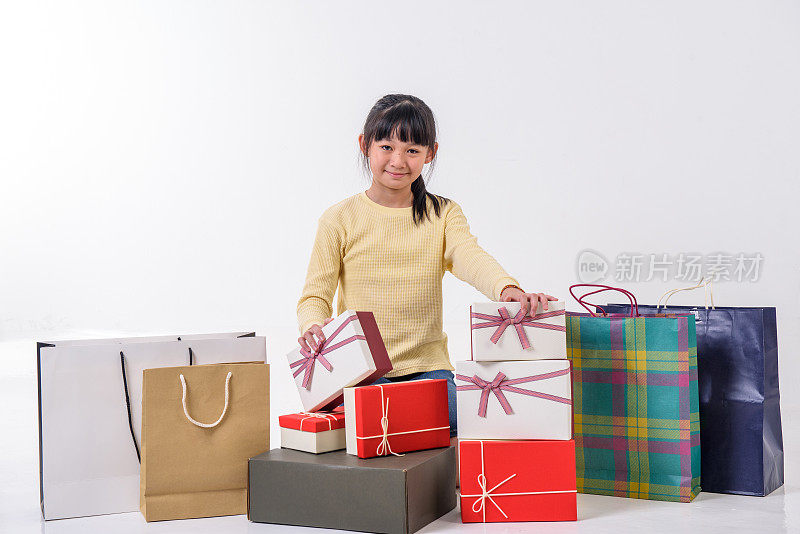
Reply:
x=387, y=250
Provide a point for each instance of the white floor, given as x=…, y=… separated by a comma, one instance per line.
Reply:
x=709, y=513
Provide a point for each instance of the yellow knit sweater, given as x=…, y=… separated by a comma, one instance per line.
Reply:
x=383, y=263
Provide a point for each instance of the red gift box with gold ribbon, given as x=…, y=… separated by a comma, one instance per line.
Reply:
x=396, y=418
x=517, y=481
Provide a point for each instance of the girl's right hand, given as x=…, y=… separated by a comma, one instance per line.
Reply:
x=307, y=340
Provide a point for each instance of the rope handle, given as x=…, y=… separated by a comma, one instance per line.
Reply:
x=708, y=290
x=224, y=410
x=582, y=302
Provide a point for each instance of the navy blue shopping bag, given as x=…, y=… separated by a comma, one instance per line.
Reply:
x=740, y=415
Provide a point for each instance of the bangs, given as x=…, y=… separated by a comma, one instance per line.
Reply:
x=406, y=123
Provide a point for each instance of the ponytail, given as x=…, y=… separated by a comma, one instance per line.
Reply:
x=419, y=205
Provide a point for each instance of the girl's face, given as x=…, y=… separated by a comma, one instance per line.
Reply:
x=395, y=164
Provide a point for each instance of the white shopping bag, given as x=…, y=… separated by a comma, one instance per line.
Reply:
x=90, y=400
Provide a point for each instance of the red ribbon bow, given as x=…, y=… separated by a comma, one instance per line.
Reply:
x=501, y=384
x=520, y=321
x=306, y=363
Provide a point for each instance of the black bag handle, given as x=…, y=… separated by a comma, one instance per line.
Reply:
x=128, y=404
x=128, y=398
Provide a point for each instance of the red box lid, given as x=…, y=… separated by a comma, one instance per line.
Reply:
x=313, y=422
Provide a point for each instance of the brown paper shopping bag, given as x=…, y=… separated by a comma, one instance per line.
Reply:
x=200, y=425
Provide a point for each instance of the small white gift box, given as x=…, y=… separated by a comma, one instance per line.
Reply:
x=514, y=400
x=353, y=354
x=313, y=432
x=500, y=332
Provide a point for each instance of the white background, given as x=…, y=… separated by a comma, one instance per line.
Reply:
x=163, y=164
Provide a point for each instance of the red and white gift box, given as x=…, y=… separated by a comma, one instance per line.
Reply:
x=396, y=418
x=517, y=481
x=352, y=354
x=500, y=331
x=314, y=432
x=514, y=400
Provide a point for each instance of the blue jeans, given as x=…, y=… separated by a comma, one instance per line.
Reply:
x=438, y=374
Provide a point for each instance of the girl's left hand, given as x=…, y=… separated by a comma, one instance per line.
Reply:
x=530, y=301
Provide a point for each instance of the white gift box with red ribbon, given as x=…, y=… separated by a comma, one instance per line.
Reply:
x=514, y=399
x=500, y=332
x=352, y=354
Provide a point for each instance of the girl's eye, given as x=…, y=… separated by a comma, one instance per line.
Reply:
x=385, y=147
x=413, y=150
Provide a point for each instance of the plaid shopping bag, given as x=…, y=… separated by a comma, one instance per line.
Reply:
x=740, y=413
x=635, y=402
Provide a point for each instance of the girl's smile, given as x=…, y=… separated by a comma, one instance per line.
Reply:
x=395, y=164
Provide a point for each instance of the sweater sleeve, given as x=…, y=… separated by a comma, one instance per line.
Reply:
x=316, y=302
x=468, y=261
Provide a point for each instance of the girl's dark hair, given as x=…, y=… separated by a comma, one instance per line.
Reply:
x=411, y=120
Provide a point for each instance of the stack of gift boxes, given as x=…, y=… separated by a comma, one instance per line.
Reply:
x=145, y=430
x=516, y=453
x=388, y=465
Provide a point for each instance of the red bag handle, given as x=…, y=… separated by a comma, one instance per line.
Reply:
x=631, y=298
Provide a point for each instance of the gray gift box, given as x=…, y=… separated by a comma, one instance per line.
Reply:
x=389, y=494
